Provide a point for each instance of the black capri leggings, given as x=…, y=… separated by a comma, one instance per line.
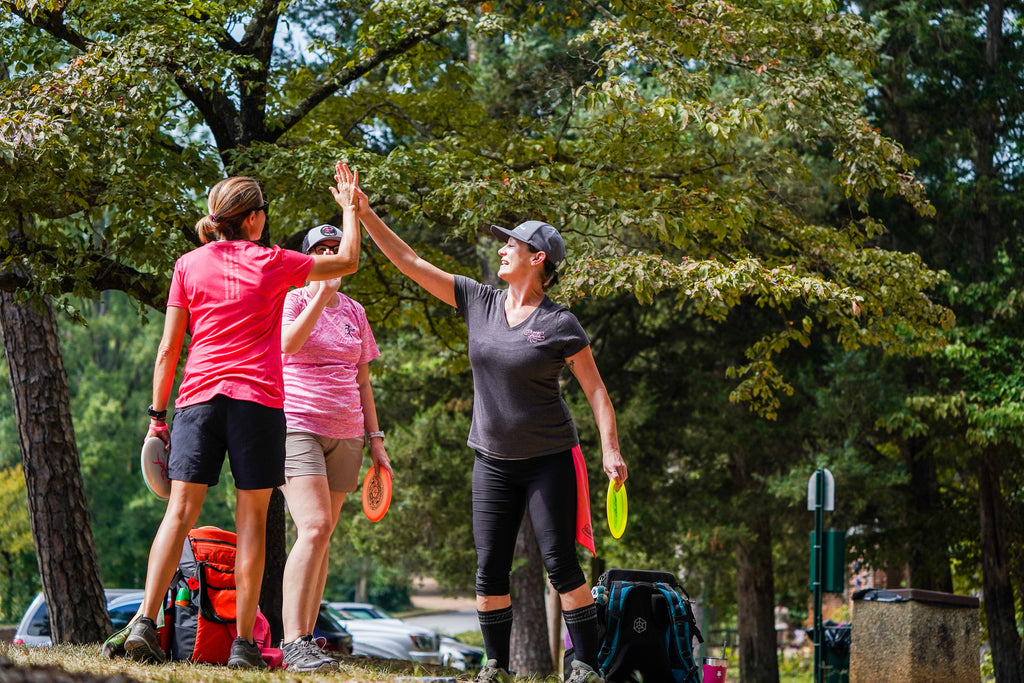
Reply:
x=502, y=489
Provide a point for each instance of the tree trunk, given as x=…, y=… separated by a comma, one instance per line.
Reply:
x=271, y=592
x=997, y=589
x=755, y=594
x=553, y=605
x=755, y=588
x=530, y=654
x=928, y=563
x=56, y=495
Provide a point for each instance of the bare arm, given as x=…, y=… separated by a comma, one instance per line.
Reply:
x=295, y=333
x=175, y=325
x=428, y=276
x=377, y=452
x=584, y=368
x=346, y=261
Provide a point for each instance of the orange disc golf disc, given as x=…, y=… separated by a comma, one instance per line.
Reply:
x=376, y=493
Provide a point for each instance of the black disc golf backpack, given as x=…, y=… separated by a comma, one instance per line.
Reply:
x=646, y=626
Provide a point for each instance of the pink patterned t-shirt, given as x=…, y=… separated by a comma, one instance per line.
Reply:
x=321, y=392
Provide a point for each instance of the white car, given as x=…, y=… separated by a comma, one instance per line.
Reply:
x=34, y=629
x=459, y=655
x=371, y=625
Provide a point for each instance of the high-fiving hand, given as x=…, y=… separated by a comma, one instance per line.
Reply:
x=348, y=186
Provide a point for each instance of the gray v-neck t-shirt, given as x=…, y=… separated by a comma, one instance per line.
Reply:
x=518, y=410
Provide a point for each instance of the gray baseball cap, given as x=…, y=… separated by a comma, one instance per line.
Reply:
x=318, y=235
x=538, y=235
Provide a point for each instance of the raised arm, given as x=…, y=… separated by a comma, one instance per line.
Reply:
x=584, y=368
x=346, y=261
x=428, y=276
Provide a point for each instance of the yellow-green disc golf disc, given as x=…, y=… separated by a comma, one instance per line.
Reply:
x=618, y=509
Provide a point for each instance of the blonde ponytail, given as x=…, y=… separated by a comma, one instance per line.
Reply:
x=230, y=202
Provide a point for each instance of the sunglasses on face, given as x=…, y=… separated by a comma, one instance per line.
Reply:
x=262, y=207
x=322, y=249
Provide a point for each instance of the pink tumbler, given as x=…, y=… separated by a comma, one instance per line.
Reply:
x=714, y=669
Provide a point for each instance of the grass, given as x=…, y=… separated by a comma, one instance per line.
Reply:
x=85, y=664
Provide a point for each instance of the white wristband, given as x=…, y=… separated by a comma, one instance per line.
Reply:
x=370, y=435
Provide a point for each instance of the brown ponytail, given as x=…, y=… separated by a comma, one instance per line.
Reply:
x=230, y=202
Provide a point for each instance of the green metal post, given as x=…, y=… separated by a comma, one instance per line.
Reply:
x=819, y=566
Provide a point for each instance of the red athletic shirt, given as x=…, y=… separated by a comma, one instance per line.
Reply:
x=234, y=291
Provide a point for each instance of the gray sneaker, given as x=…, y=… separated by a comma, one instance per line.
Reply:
x=492, y=673
x=319, y=651
x=245, y=655
x=304, y=654
x=143, y=642
x=582, y=673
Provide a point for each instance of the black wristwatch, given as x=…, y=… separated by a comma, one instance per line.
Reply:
x=156, y=414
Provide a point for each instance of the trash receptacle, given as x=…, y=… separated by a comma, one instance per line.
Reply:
x=835, y=658
x=909, y=635
x=835, y=652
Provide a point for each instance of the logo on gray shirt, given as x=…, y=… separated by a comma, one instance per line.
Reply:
x=534, y=336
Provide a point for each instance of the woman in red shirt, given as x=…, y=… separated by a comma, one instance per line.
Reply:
x=229, y=294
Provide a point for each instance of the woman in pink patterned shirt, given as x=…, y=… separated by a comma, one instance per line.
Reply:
x=327, y=345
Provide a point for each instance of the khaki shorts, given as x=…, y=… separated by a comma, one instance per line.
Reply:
x=337, y=459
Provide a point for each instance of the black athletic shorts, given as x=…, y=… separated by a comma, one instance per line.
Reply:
x=252, y=434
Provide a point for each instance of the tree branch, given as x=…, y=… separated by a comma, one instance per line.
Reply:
x=53, y=23
x=148, y=288
x=340, y=79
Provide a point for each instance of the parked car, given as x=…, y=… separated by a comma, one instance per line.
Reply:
x=124, y=603
x=371, y=625
x=381, y=648
x=361, y=610
x=34, y=628
x=454, y=653
x=459, y=655
x=337, y=637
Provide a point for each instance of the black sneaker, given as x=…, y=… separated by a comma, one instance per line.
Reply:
x=303, y=654
x=245, y=655
x=143, y=642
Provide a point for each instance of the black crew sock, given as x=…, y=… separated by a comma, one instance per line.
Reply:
x=496, y=628
x=581, y=624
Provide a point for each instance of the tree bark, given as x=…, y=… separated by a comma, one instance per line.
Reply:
x=928, y=564
x=57, y=505
x=272, y=590
x=553, y=605
x=755, y=588
x=530, y=653
x=997, y=588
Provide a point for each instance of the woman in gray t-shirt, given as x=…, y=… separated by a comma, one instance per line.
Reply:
x=522, y=432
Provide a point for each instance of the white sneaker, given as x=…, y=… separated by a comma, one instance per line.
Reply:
x=582, y=673
x=304, y=655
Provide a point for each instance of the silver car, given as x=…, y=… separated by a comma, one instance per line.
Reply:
x=371, y=625
x=459, y=655
x=34, y=629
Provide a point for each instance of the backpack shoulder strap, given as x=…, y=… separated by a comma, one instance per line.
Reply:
x=682, y=614
x=617, y=594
